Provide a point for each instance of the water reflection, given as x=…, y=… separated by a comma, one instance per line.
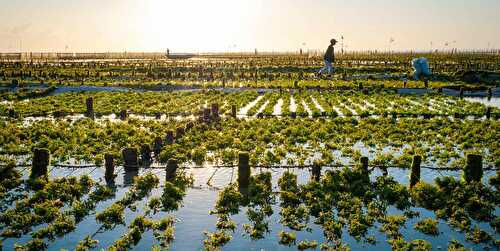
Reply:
x=128, y=177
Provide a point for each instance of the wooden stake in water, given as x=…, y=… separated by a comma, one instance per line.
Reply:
x=189, y=126
x=109, y=174
x=364, y=163
x=158, y=143
x=473, y=171
x=215, y=110
x=206, y=114
x=130, y=159
x=41, y=160
x=233, y=111
x=170, y=171
x=243, y=170
x=169, y=139
x=316, y=172
x=145, y=153
x=179, y=132
x=90, y=107
x=123, y=114
x=415, y=170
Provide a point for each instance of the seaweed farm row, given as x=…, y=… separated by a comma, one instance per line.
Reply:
x=246, y=104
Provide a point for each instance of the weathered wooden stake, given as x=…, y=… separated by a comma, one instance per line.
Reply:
x=90, y=107
x=488, y=113
x=189, y=126
x=415, y=170
x=145, y=153
x=243, y=170
x=473, y=171
x=316, y=172
x=364, y=164
x=109, y=165
x=169, y=139
x=215, y=110
x=170, y=171
x=233, y=111
x=158, y=143
x=206, y=114
x=179, y=132
x=130, y=159
x=123, y=114
x=41, y=160
x=461, y=92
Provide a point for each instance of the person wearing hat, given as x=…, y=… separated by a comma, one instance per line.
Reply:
x=329, y=58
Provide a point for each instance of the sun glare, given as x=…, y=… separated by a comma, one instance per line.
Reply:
x=194, y=24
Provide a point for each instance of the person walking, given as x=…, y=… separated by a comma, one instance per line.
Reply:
x=329, y=58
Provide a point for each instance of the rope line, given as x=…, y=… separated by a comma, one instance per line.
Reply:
x=488, y=168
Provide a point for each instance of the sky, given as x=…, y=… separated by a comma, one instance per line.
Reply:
x=243, y=25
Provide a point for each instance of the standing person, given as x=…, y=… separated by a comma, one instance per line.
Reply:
x=329, y=58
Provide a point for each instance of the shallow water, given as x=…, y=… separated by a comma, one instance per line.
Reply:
x=493, y=102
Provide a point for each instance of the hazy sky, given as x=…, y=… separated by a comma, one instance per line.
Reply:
x=268, y=25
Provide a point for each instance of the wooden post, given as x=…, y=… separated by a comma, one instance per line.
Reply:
x=90, y=107
x=473, y=171
x=233, y=111
x=363, y=161
x=243, y=170
x=41, y=160
x=11, y=113
x=130, y=159
x=490, y=92
x=123, y=114
x=316, y=172
x=169, y=139
x=293, y=115
x=488, y=112
x=215, y=110
x=158, y=144
x=415, y=170
x=206, y=114
x=109, y=165
x=189, y=125
x=170, y=171
x=461, y=92
x=179, y=132
x=145, y=153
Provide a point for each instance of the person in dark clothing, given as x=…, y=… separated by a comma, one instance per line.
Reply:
x=329, y=58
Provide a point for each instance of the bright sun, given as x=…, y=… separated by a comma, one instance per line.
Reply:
x=194, y=24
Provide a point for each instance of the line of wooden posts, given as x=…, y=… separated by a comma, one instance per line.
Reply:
x=207, y=114
x=41, y=159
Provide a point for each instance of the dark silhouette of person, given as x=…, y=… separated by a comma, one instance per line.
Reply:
x=329, y=58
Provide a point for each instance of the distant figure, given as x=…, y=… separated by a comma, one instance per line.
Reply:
x=329, y=58
x=421, y=68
